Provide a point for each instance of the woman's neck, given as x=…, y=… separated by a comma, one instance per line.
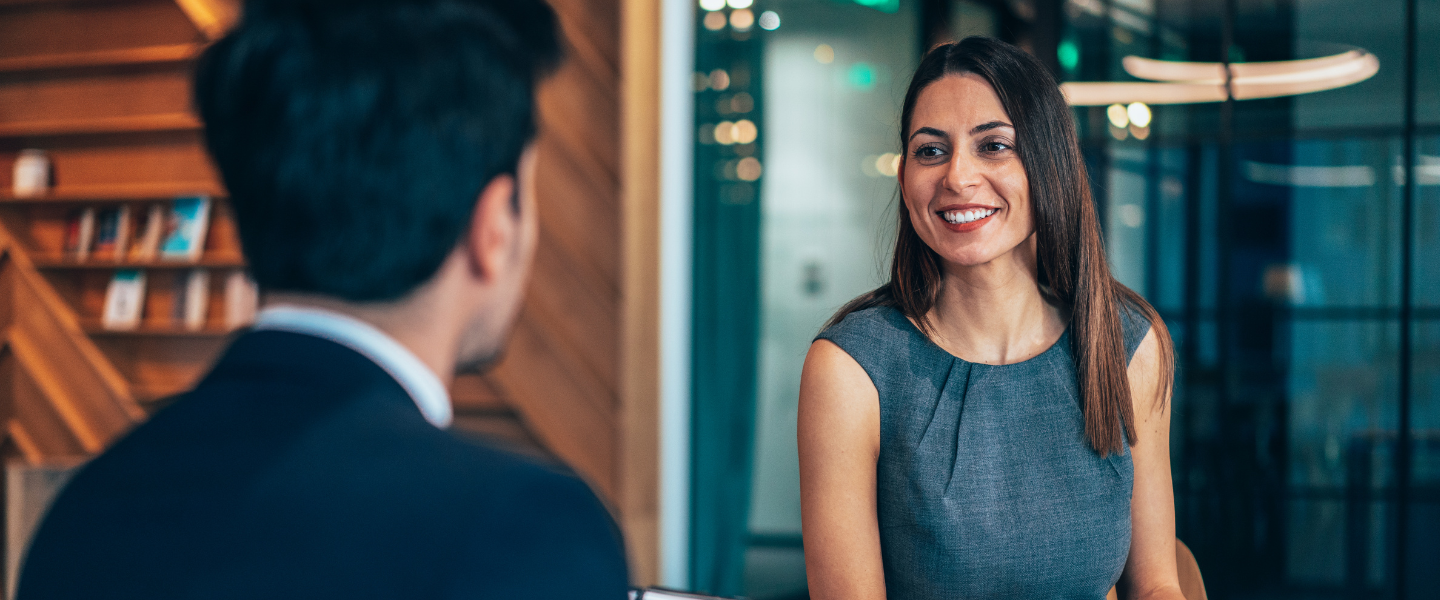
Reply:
x=994, y=313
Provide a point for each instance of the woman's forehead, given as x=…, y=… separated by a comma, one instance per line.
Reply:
x=957, y=103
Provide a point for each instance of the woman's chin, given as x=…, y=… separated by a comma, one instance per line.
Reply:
x=967, y=260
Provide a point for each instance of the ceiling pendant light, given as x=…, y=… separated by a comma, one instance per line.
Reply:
x=1195, y=82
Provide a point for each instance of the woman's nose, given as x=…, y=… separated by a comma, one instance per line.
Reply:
x=963, y=172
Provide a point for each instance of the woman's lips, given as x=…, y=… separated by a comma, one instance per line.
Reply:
x=965, y=218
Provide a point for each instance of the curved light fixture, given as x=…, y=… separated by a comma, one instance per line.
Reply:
x=1195, y=82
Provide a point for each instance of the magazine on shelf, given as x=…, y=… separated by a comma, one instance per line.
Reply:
x=185, y=229
x=79, y=232
x=147, y=241
x=242, y=298
x=192, y=299
x=112, y=233
x=124, y=300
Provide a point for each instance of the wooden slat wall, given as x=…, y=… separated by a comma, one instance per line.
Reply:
x=562, y=369
x=582, y=368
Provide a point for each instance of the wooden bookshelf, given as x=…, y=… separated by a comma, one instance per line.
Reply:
x=148, y=55
x=118, y=192
x=101, y=125
x=32, y=3
x=94, y=328
x=57, y=263
x=101, y=86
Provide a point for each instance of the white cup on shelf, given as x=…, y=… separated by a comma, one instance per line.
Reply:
x=32, y=174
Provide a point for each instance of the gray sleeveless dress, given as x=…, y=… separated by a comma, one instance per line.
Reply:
x=986, y=485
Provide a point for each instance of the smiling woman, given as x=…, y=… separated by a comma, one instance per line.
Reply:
x=941, y=441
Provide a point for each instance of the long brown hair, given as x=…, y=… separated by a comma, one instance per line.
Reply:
x=1072, y=269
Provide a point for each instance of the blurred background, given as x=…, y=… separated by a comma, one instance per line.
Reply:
x=1295, y=261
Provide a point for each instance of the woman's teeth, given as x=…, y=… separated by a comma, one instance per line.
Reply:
x=959, y=217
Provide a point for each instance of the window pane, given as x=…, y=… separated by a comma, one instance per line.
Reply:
x=1343, y=410
x=1428, y=53
x=1343, y=396
x=1427, y=222
x=1338, y=203
x=1326, y=27
x=835, y=75
x=1424, y=516
x=1425, y=407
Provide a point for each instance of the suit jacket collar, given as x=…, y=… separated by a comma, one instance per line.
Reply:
x=423, y=386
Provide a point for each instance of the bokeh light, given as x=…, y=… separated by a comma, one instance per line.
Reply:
x=748, y=169
x=769, y=20
x=725, y=133
x=1139, y=114
x=715, y=21
x=745, y=131
x=1068, y=54
x=824, y=54
x=862, y=76
x=1118, y=116
x=881, y=165
x=742, y=103
x=742, y=19
x=719, y=80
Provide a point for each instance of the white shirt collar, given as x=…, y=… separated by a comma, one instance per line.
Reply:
x=418, y=380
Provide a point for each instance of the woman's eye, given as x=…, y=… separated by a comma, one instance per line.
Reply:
x=995, y=147
x=928, y=152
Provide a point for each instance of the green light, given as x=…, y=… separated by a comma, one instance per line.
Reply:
x=885, y=6
x=861, y=76
x=1069, y=55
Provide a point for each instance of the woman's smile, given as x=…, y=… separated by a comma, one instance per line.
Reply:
x=968, y=217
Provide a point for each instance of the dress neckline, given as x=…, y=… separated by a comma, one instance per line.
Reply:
x=910, y=325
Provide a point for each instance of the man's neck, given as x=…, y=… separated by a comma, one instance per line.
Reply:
x=409, y=322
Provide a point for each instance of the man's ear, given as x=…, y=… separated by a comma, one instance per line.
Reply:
x=494, y=229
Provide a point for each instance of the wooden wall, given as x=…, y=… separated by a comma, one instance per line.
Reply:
x=578, y=382
x=582, y=366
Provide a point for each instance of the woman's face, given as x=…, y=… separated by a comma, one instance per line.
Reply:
x=961, y=180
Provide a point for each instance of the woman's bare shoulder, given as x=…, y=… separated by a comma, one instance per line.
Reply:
x=827, y=365
x=837, y=395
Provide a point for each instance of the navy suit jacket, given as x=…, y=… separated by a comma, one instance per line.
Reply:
x=298, y=468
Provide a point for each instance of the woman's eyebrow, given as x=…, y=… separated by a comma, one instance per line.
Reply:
x=988, y=126
x=930, y=131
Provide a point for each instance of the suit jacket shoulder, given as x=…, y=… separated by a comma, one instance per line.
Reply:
x=298, y=468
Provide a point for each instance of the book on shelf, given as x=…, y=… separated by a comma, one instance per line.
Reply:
x=112, y=233
x=124, y=300
x=147, y=241
x=192, y=299
x=242, y=298
x=79, y=232
x=185, y=229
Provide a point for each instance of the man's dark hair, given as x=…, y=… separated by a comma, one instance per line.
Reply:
x=355, y=136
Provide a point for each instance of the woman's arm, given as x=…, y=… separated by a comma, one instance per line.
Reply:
x=1150, y=571
x=839, y=437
